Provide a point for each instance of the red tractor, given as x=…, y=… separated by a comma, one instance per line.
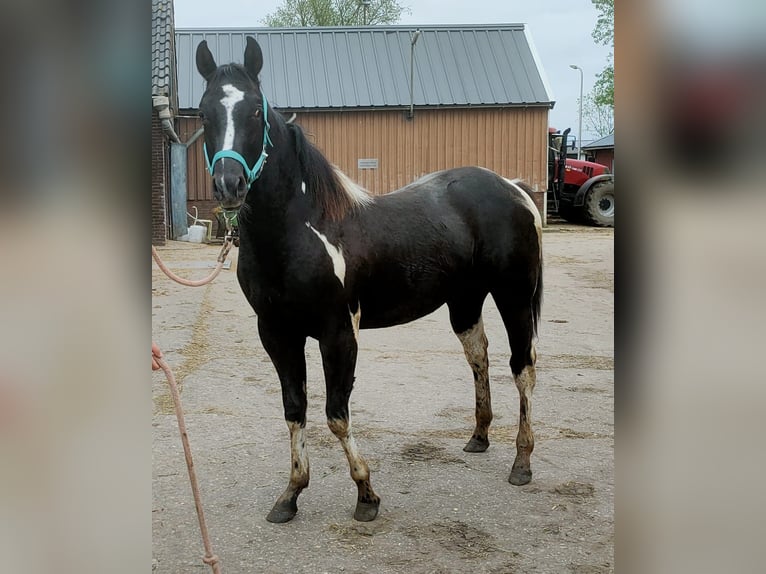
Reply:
x=579, y=191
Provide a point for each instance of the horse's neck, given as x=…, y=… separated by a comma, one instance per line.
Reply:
x=276, y=207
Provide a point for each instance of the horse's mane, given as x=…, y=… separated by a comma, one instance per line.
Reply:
x=333, y=191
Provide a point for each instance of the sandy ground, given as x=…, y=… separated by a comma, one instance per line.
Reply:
x=443, y=510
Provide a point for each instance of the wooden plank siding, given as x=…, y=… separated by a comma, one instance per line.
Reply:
x=509, y=141
x=198, y=181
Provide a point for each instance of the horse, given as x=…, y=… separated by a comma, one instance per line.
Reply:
x=321, y=257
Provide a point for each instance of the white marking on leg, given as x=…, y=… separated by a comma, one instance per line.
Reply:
x=355, y=318
x=335, y=253
x=232, y=98
x=474, y=342
x=357, y=465
x=299, y=473
x=525, y=383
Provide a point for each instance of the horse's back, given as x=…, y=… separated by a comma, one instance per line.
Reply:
x=493, y=210
x=447, y=233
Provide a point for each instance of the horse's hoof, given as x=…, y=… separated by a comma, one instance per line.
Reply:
x=520, y=476
x=476, y=445
x=282, y=512
x=366, y=511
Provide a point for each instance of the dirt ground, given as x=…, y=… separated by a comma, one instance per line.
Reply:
x=442, y=510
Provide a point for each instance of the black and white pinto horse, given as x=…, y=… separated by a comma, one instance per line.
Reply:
x=320, y=257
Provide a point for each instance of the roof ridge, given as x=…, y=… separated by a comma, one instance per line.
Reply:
x=375, y=28
x=494, y=59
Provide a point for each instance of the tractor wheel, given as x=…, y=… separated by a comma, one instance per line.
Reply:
x=569, y=213
x=599, y=205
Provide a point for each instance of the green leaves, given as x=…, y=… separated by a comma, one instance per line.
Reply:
x=303, y=13
x=603, y=33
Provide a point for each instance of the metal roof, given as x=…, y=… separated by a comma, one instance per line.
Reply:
x=163, y=81
x=604, y=142
x=369, y=67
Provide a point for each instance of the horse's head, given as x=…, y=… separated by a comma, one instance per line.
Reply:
x=235, y=117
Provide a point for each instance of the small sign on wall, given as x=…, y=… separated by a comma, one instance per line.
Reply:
x=367, y=163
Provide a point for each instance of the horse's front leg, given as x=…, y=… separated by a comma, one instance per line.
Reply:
x=339, y=350
x=286, y=351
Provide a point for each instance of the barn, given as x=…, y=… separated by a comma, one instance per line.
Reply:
x=479, y=97
x=602, y=151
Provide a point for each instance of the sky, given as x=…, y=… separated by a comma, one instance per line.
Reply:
x=560, y=29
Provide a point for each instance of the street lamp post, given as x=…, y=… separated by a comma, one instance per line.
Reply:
x=365, y=5
x=413, y=40
x=579, y=127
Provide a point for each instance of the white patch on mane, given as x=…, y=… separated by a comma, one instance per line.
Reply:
x=232, y=98
x=335, y=253
x=356, y=193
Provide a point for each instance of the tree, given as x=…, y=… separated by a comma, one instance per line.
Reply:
x=603, y=34
x=303, y=13
x=597, y=118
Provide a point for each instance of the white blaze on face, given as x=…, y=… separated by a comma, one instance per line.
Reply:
x=335, y=253
x=232, y=98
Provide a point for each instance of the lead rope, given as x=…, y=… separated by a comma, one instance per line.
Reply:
x=227, y=243
x=209, y=558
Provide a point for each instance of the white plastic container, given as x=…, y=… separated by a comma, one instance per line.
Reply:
x=197, y=233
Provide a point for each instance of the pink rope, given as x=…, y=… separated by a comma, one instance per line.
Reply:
x=209, y=558
x=199, y=282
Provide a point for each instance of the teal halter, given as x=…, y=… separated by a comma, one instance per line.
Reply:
x=251, y=174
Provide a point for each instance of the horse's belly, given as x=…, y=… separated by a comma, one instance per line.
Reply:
x=389, y=304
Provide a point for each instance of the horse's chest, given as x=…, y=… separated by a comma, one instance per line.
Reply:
x=298, y=286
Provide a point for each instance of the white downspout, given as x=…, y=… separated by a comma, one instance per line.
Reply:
x=162, y=105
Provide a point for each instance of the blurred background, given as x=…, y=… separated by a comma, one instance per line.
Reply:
x=75, y=405
x=690, y=79
x=75, y=409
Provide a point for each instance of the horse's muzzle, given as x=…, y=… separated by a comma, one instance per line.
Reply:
x=230, y=189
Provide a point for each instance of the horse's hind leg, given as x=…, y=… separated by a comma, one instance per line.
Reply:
x=466, y=320
x=519, y=322
x=339, y=351
x=287, y=354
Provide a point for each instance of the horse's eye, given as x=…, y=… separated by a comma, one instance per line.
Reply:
x=257, y=114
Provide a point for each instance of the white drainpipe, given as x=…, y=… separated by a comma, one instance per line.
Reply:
x=162, y=105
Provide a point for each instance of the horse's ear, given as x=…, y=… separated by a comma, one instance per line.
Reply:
x=253, y=58
x=205, y=63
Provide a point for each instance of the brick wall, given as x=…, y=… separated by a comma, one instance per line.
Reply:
x=159, y=179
